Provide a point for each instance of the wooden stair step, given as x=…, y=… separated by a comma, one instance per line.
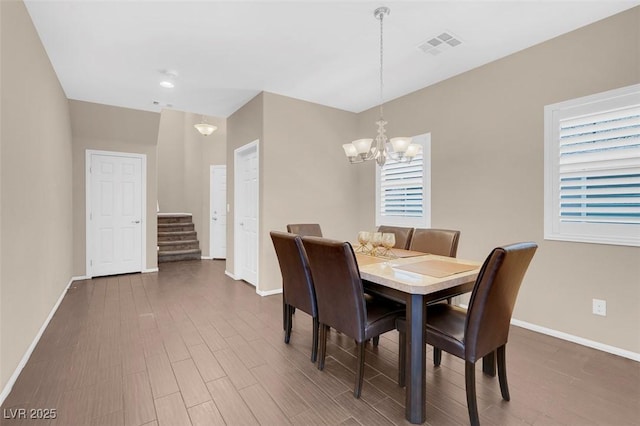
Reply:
x=166, y=218
x=177, y=236
x=175, y=227
x=176, y=255
x=178, y=245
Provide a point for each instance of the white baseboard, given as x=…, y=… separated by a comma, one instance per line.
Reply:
x=269, y=292
x=79, y=278
x=148, y=270
x=27, y=354
x=574, y=339
x=206, y=257
x=577, y=339
x=229, y=274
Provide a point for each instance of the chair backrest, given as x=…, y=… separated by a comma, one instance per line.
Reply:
x=494, y=297
x=443, y=242
x=338, y=285
x=305, y=229
x=297, y=283
x=403, y=235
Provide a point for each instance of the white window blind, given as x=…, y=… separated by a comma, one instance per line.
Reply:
x=402, y=190
x=593, y=151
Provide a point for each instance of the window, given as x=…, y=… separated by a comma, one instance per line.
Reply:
x=403, y=190
x=592, y=168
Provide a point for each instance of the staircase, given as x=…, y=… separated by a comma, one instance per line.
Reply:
x=177, y=239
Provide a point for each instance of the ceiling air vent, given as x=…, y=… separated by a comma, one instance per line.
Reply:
x=437, y=45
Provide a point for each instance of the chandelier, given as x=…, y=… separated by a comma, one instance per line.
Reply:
x=205, y=128
x=398, y=149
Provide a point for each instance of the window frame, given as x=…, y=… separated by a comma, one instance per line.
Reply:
x=423, y=221
x=584, y=232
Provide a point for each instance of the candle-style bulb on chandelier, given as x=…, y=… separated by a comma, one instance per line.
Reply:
x=398, y=149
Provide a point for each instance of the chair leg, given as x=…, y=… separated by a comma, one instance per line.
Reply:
x=376, y=340
x=359, y=371
x=437, y=356
x=314, y=344
x=502, y=372
x=323, y=346
x=287, y=323
x=470, y=385
x=402, y=361
x=284, y=315
x=489, y=364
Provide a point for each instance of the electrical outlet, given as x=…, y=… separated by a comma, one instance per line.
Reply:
x=600, y=307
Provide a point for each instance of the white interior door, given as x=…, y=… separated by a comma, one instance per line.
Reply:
x=246, y=216
x=218, y=212
x=115, y=213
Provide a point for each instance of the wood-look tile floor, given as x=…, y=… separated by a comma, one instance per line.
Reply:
x=190, y=346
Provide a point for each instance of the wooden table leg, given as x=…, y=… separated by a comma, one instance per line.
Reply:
x=415, y=401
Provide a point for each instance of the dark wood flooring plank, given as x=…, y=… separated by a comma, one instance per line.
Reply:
x=361, y=411
x=239, y=375
x=174, y=345
x=192, y=387
x=287, y=399
x=206, y=414
x=208, y=366
x=161, y=376
x=171, y=411
x=247, y=354
x=232, y=407
x=265, y=410
x=138, y=399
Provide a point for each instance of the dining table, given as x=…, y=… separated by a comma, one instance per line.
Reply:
x=416, y=279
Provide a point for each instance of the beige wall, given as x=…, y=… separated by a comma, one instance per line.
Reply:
x=171, y=164
x=243, y=126
x=488, y=172
x=304, y=178
x=184, y=159
x=201, y=153
x=102, y=127
x=35, y=177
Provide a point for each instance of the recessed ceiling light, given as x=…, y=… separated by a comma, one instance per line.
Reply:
x=168, y=79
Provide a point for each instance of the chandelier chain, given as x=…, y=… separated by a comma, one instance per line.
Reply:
x=381, y=64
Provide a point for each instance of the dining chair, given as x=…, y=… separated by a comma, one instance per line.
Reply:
x=403, y=235
x=305, y=229
x=483, y=327
x=443, y=242
x=341, y=301
x=297, y=285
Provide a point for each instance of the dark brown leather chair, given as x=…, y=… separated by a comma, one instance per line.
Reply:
x=305, y=229
x=297, y=285
x=443, y=242
x=403, y=235
x=341, y=300
x=484, y=327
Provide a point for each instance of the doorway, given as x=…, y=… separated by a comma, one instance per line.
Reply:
x=115, y=205
x=218, y=212
x=246, y=167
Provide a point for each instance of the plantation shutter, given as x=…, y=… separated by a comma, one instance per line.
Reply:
x=402, y=188
x=599, y=167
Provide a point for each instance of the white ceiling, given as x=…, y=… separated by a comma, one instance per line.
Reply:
x=327, y=52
